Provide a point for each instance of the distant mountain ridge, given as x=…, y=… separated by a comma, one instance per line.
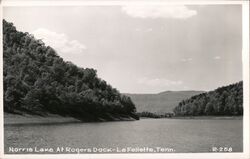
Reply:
x=162, y=102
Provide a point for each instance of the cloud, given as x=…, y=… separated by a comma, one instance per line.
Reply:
x=59, y=41
x=217, y=58
x=186, y=59
x=158, y=11
x=143, y=30
x=159, y=82
x=137, y=29
x=149, y=30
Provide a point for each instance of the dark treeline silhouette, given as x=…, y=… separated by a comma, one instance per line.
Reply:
x=154, y=115
x=38, y=81
x=226, y=100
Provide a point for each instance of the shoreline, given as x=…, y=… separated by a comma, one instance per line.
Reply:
x=27, y=119
x=201, y=117
x=209, y=117
x=16, y=119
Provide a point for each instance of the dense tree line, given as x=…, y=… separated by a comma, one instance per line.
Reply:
x=154, y=115
x=37, y=80
x=227, y=100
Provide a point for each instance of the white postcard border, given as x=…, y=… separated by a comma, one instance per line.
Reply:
x=245, y=60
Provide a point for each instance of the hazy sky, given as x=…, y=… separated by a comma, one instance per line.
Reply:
x=143, y=49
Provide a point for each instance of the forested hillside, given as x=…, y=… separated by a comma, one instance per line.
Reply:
x=38, y=81
x=160, y=103
x=226, y=100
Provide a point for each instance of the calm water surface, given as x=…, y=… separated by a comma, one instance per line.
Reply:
x=181, y=135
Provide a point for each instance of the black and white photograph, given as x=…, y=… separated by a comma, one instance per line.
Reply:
x=118, y=78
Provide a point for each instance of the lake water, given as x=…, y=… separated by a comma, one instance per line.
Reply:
x=172, y=135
